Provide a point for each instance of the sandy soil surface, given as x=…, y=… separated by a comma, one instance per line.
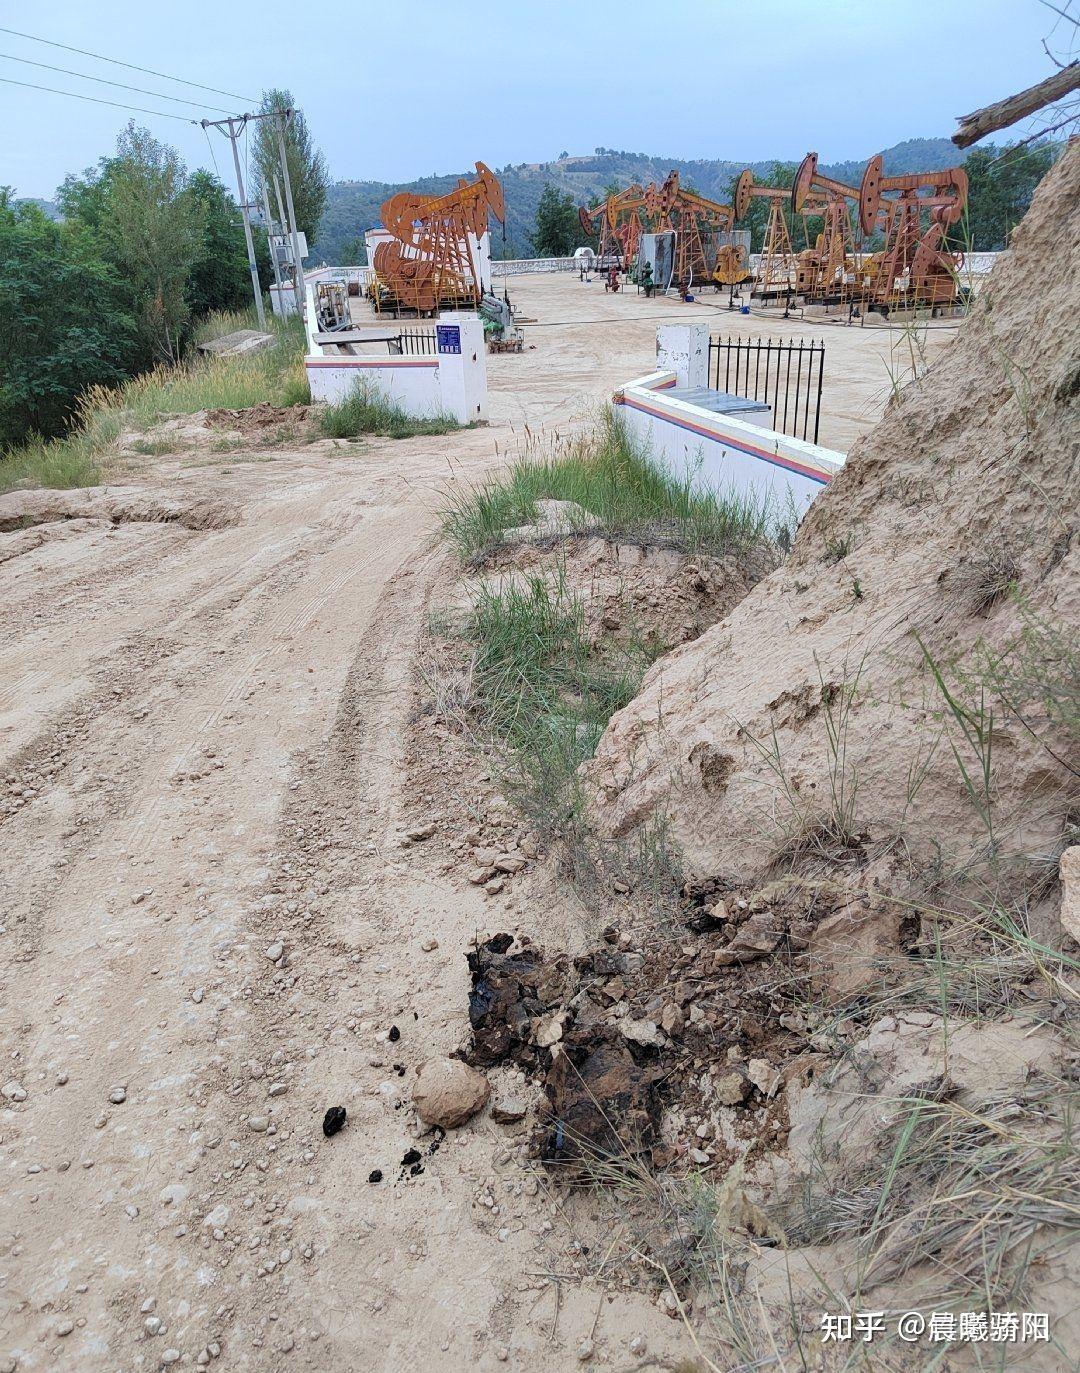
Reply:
x=202, y=726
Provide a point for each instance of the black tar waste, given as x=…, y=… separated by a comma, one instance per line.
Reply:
x=375, y=1175
x=395, y=1034
x=600, y=1089
x=333, y=1121
x=411, y=1161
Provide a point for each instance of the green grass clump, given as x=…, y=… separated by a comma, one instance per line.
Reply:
x=274, y=376
x=62, y=464
x=624, y=492
x=364, y=411
x=546, y=693
x=67, y=462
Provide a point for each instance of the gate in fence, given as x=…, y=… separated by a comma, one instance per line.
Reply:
x=785, y=374
x=412, y=341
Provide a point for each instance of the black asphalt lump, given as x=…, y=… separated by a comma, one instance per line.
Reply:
x=333, y=1121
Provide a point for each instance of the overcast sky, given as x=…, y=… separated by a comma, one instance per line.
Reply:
x=401, y=88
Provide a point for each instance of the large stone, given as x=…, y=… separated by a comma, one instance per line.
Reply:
x=757, y=937
x=847, y=949
x=447, y=1092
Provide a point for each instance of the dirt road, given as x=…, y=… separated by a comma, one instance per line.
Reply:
x=203, y=734
x=210, y=926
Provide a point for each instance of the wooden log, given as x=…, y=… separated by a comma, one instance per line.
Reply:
x=1016, y=107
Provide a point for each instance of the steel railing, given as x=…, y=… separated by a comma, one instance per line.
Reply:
x=785, y=374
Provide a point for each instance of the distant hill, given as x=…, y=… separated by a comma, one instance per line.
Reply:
x=48, y=207
x=353, y=206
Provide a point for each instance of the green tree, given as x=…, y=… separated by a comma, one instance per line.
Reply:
x=149, y=227
x=1001, y=182
x=354, y=252
x=307, y=166
x=219, y=278
x=557, y=231
x=62, y=322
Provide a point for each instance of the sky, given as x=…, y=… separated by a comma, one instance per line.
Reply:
x=404, y=88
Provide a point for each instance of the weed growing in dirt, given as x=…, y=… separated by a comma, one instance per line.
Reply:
x=807, y=827
x=690, y=1234
x=1036, y=679
x=535, y=696
x=995, y=575
x=153, y=448
x=365, y=411
x=957, y=1191
x=621, y=490
x=275, y=376
x=546, y=692
x=68, y=462
x=975, y=722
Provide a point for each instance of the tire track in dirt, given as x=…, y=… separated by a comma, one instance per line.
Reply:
x=334, y=897
x=130, y=1013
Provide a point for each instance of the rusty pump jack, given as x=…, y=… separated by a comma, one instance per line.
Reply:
x=692, y=218
x=617, y=221
x=778, y=264
x=828, y=272
x=433, y=260
x=916, y=266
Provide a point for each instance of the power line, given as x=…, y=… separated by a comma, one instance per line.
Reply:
x=149, y=71
x=104, y=81
x=94, y=100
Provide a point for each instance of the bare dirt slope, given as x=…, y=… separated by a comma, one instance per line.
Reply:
x=964, y=493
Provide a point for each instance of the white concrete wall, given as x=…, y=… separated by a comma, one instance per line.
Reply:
x=412, y=383
x=684, y=350
x=507, y=267
x=720, y=452
x=978, y=264
x=451, y=381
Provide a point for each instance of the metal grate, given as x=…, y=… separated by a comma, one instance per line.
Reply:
x=784, y=373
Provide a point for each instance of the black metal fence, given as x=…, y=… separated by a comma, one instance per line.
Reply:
x=783, y=373
x=415, y=341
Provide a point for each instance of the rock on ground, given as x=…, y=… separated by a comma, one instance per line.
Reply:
x=447, y=1092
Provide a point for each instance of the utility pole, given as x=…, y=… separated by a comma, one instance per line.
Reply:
x=233, y=127
x=277, y=197
x=298, y=265
x=270, y=243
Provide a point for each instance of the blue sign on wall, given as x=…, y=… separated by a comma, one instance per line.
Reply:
x=448, y=338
